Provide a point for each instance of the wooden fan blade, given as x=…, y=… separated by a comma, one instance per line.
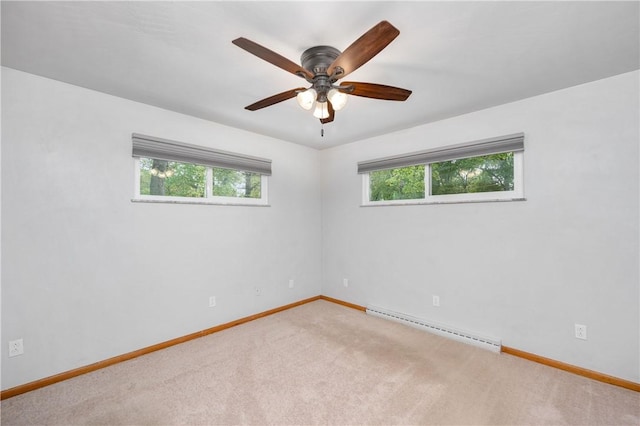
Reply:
x=332, y=115
x=364, y=48
x=272, y=57
x=271, y=100
x=376, y=91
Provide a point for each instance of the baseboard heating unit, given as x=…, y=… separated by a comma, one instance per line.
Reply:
x=484, y=342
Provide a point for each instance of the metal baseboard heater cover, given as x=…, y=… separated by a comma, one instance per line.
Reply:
x=490, y=343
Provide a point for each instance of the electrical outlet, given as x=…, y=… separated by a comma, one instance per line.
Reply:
x=345, y=282
x=16, y=347
x=212, y=301
x=436, y=300
x=290, y=283
x=258, y=291
x=581, y=331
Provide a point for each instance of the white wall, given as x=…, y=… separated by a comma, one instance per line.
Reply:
x=88, y=275
x=526, y=271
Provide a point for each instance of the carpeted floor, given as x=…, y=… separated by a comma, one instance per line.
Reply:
x=322, y=363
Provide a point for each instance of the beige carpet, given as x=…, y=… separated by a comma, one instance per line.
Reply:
x=322, y=363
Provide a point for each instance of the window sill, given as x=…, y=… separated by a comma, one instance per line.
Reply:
x=203, y=202
x=423, y=202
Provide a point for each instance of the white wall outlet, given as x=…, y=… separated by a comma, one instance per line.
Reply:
x=581, y=331
x=258, y=291
x=436, y=300
x=345, y=282
x=290, y=283
x=212, y=301
x=16, y=347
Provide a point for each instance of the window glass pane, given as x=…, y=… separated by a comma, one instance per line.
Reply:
x=487, y=173
x=405, y=183
x=235, y=183
x=170, y=178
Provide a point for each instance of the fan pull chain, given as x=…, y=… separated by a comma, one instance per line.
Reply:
x=322, y=131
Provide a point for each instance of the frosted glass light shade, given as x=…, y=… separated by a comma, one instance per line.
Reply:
x=322, y=110
x=337, y=98
x=307, y=98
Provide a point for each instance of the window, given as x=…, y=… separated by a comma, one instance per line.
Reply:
x=405, y=183
x=172, y=179
x=162, y=175
x=451, y=174
x=487, y=173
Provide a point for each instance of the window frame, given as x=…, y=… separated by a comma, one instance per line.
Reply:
x=209, y=198
x=517, y=194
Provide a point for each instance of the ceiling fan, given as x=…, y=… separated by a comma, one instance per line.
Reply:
x=323, y=66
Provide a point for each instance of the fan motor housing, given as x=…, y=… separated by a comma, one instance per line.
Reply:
x=318, y=58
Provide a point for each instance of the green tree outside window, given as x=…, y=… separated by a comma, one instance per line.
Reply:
x=170, y=178
x=489, y=173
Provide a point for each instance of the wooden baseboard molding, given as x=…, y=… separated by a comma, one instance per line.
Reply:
x=627, y=384
x=125, y=357
x=343, y=303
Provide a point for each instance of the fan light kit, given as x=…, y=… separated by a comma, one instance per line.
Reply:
x=317, y=60
x=323, y=66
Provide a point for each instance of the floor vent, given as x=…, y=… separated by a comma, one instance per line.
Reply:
x=489, y=343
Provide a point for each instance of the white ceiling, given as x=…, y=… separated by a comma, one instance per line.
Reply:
x=456, y=57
